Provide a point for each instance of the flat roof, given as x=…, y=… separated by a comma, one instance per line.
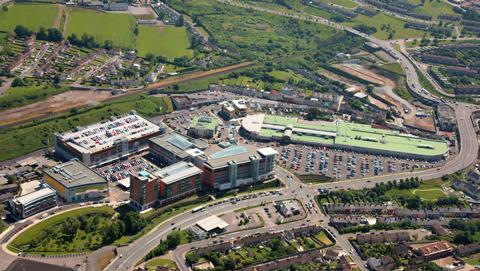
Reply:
x=218, y=157
x=34, y=196
x=212, y=222
x=343, y=134
x=177, y=172
x=204, y=122
x=179, y=144
x=104, y=135
x=74, y=174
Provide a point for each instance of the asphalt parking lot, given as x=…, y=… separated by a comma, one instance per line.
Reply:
x=338, y=164
x=122, y=169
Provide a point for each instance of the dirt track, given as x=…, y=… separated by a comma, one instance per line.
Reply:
x=79, y=98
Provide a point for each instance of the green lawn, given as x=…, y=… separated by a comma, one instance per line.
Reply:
x=433, y=8
x=19, y=96
x=322, y=237
x=394, y=67
x=116, y=27
x=429, y=194
x=345, y=3
x=382, y=19
x=40, y=229
x=152, y=264
x=428, y=190
x=168, y=41
x=32, y=16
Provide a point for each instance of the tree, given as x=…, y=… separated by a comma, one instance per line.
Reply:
x=19, y=82
x=22, y=32
x=41, y=34
x=180, y=21
x=173, y=240
x=133, y=222
x=191, y=257
x=463, y=237
x=54, y=35
x=108, y=45
x=229, y=263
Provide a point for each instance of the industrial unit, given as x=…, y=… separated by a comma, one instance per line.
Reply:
x=74, y=181
x=106, y=141
x=343, y=135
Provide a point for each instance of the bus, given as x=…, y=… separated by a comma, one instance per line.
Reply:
x=198, y=209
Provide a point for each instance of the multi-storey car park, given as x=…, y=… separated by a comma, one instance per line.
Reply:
x=106, y=141
x=343, y=135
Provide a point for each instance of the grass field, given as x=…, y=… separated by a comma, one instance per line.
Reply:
x=32, y=16
x=345, y=3
x=116, y=27
x=19, y=96
x=35, y=135
x=168, y=41
x=428, y=190
x=152, y=264
x=433, y=8
x=394, y=67
x=382, y=19
x=32, y=233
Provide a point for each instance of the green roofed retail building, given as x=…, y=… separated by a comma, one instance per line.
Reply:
x=343, y=135
x=203, y=126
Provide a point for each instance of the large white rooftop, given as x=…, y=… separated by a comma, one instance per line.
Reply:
x=177, y=171
x=101, y=136
x=212, y=222
x=35, y=196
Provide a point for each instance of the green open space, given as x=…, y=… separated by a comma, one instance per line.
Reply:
x=345, y=3
x=383, y=19
x=19, y=96
x=62, y=233
x=428, y=190
x=116, y=27
x=35, y=135
x=32, y=16
x=322, y=237
x=253, y=33
x=168, y=41
x=433, y=8
x=154, y=263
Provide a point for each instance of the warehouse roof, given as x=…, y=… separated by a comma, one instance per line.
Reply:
x=212, y=223
x=74, y=174
x=344, y=134
x=177, y=172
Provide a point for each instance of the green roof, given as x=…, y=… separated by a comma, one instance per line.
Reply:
x=356, y=135
x=205, y=122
